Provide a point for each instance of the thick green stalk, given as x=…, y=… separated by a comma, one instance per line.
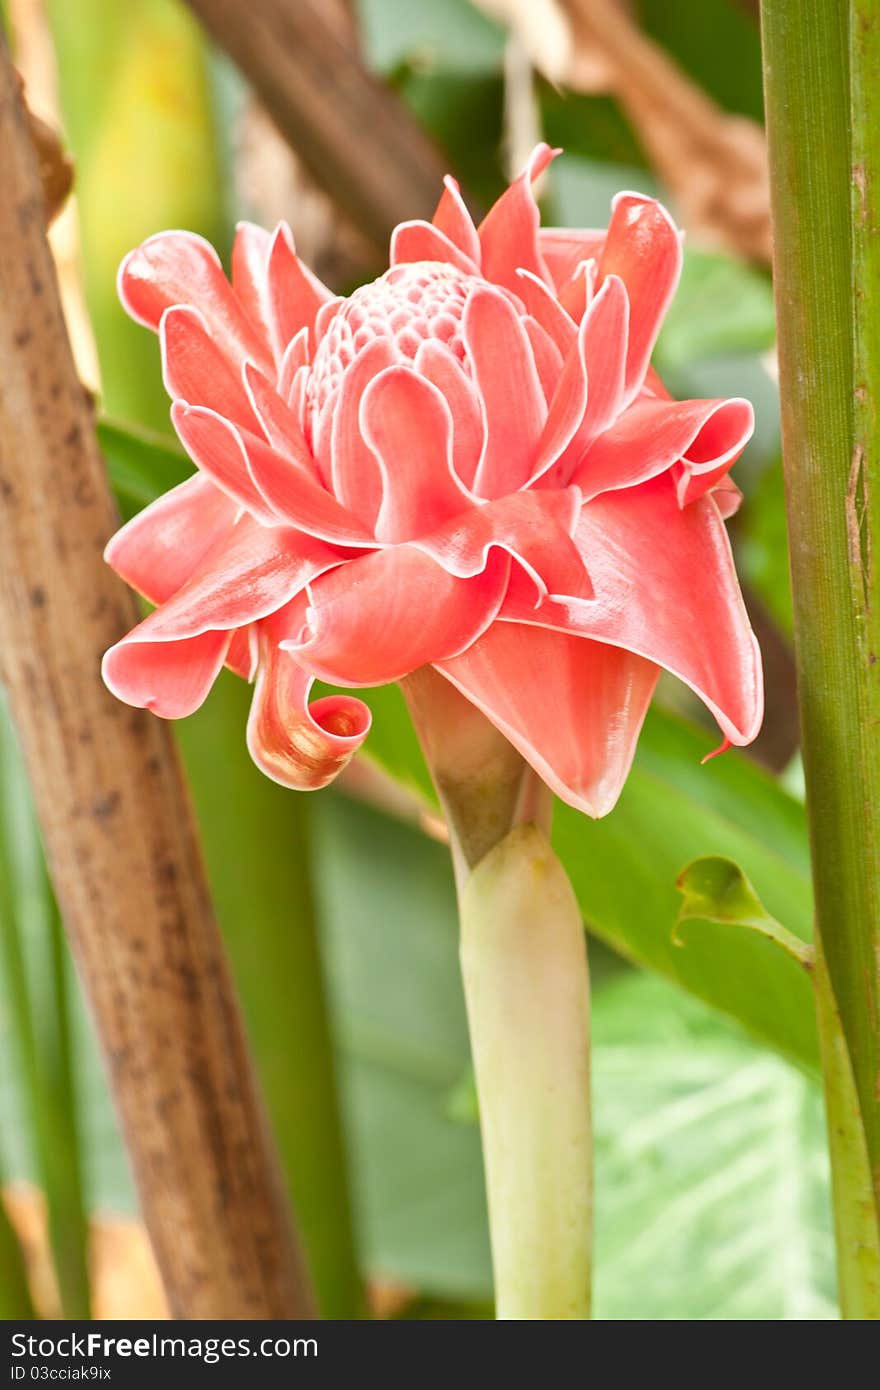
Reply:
x=524, y=965
x=526, y=984
x=824, y=167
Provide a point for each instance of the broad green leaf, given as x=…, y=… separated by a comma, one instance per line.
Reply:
x=673, y=811
x=715, y=890
x=762, y=544
x=722, y=306
x=141, y=463
x=710, y=1162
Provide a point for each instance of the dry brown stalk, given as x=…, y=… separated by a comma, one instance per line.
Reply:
x=115, y=816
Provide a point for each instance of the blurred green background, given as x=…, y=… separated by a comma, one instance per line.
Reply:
x=711, y=1182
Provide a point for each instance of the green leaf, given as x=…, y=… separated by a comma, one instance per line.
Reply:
x=722, y=306
x=716, y=890
x=142, y=463
x=674, y=810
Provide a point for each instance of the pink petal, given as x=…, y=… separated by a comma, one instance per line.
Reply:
x=654, y=434
x=242, y=655
x=419, y=241
x=576, y=296
x=564, y=250
x=512, y=402
x=244, y=577
x=212, y=443
x=543, y=306
x=666, y=588
x=179, y=268
x=548, y=358
x=299, y=745
x=158, y=550
x=194, y=368
x=590, y=390
x=170, y=678
x=354, y=469
x=642, y=247
x=408, y=425
x=296, y=355
x=535, y=528
x=279, y=423
x=295, y=294
x=509, y=231
x=273, y=488
x=454, y=221
x=383, y=616
x=435, y=362
x=573, y=708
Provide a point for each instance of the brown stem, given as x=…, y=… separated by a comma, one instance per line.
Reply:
x=354, y=135
x=115, y=817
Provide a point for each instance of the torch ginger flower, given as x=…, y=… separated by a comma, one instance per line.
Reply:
x=468, y=463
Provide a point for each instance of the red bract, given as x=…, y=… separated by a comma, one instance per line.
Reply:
x=467, y=463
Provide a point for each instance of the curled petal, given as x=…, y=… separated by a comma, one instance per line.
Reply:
x=386, y=614
x=535, y=528
x=666, y=589
x=158, y=550
x=296, y=356
x=572, y=707
x=509, y=388
x=244, y=577
x=280, y=294
x=212, y=442
x=194, y=368
x=643, y=247
x=295, y=295
x=408, y=425
x=652, y=435
x=435, y=362
x=297, y=744
x=170, y=678
x=279, y=423
x=564, y=250
x=590, y=390
x=354, y=470
x=242, y=655
x=454, y=221
x=179, y=268
x=273, y=489
x=509, y=231
x=548, y=358
x=419, y=241
x=545, y=308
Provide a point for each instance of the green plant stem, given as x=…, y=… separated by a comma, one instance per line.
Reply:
x=526, y=984
x=823, y=137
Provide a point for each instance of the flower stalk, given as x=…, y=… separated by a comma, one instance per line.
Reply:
x=820, y=82
x=524, y=969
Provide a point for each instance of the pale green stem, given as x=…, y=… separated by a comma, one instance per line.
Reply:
x=524, y=966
